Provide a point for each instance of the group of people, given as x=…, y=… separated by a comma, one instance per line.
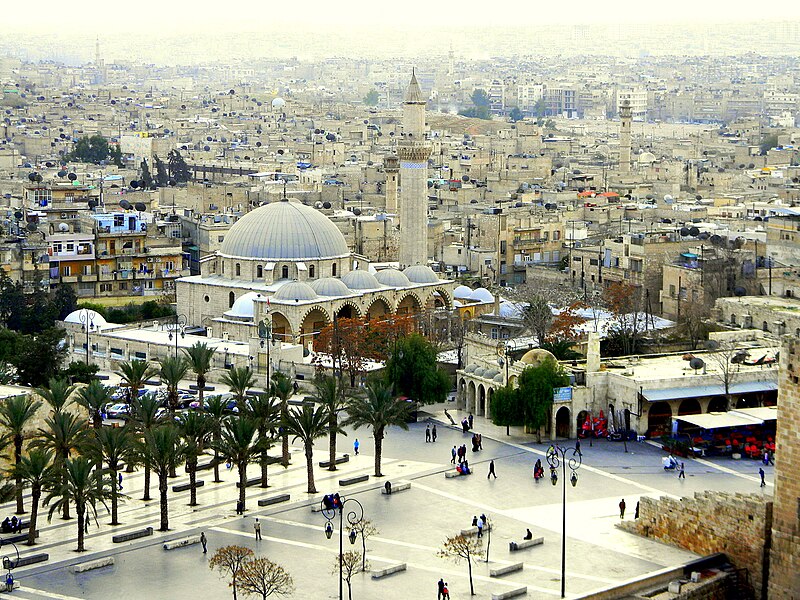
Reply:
x=466, y=423
x=477, y=442
x=430, y=434
x=538, y=470
x=480, y=523
x=11, y=525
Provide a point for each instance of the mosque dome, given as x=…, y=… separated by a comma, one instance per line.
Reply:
x=479, y=372
x=360, y=280
x=392, y=277
x=498, y=378
x=94, y=318
x=330, y=286
x=463, y=292
x=243, y=308
x=482, y=295
x=536, y=356
x=421, y=274
x=278, y=102
x=295, y=291
x=471, y=368
x=284, y=231
x=647, y=158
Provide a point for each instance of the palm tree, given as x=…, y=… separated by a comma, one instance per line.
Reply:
x=144, y=413
x=378, y=409
x=165, y=448
x=195, y=429
x=281, y=387
x=16, y=413
x=307, y=425
x=329, y=392
x=134, y=373
x=237, y=444
x=173, y=370
x=199, y=356
x=80, y=486
x=93, y=397
x=57, y=394
x=37, y=471
x=239, y=380
x=63, y=434
x=215, y=411
x=113, y=446
x=264, y=412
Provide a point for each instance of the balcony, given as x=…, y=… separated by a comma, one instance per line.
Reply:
x=88, y=278
x=69, y=279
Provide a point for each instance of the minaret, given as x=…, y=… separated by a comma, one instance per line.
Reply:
x=392, y=168
x=414, y=151
x=625, y=136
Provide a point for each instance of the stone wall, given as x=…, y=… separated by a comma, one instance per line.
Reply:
x=736, y=524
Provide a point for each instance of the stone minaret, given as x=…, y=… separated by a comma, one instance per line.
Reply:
x=392, y=168
x=413, y=151
x=784, y=558
x=625, y=137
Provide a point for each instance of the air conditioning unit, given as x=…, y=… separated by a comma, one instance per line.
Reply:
x=225, y=336
x=63, y=215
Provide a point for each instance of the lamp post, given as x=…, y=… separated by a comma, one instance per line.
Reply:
x=9, y=562
x=178, y=328
x=265, y=335
x=87, y=325
x=502, y=351
x=557, y=457
x=334, y=504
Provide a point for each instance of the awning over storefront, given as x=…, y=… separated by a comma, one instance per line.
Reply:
x=701, y=391
x=765, y=413
x=734, y=418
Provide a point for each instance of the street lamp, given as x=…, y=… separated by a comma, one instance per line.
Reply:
x=503, y=349
x=9, y=562
x=557, y=457
x=178, y=328
x=333, y=504
x=87, y=325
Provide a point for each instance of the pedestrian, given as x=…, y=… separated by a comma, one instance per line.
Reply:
x=433, y=433
x=445, y=591
x=636, y=512
x=427, y=433
x=257, y=529
x=86, y=523
x=480, y=528
x=204, y=541
x=470, y=420
x=491, y=470
x=528, y=535
x=355, y=446
x=119, y=481
x=475, y=521
x=453, y=452
x=761, y=473
x=681, y=472
x=766, y=457
x=239, y=507
x=622, y=508
x=440, y=586
x=578, y=447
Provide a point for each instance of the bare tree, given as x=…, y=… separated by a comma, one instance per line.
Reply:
x=352, y=563
x=692, y=321
x=364, y=528
x=262, y=577
x=228, y=560
x=725, y=369
x=458, y=548
x=538, y=316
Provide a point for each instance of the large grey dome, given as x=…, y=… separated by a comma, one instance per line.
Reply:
x=295, y=291
x=285, y=231
x=330, y=286
x=392, y=277
x=421, y=274
x=361, y=280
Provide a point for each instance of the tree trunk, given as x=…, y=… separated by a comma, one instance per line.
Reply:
x=114, y=497
x=471, y=587
x=162, y=490
x=18, y=479
x=284, y=436
x=36, y=493
x=172, y=472
x=242, y=466
x=378, y=449
x=264, y=469
x=65, y=513
x=146, y=479
x=81, y=517
x=349, y=590
x=192, y=468
x=216, y=457
x=201, y=384
x=310, y=468
x=332, y=441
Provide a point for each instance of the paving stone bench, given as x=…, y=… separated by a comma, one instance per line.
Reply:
x=340, y=460
x=520, y=591
x=155, y=382
x=20, y=537
x=516, y=546
x=207, y=388
x=184, y=487
x=251, y=482
x=451, y=474
x=379, y=573
x=24, y=561
x=205, y=466
x=300, y=403
x=474, y=530
x=92, y=565
x=132, y=535
x=500, y=571
x=182, y=542
x=353, y=480
x=274, y=500
x=400, y=486
x=102, y=377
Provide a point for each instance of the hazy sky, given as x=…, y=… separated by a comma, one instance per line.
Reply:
x=169, y=15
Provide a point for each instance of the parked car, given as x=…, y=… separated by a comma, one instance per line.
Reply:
x=118, y=411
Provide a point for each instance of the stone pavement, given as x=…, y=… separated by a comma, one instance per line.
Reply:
x=412, y=524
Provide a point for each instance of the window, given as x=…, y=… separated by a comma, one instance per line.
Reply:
x=333, y=270
x=66, y=271
x=285, y=272
x=672, y=291
x=206, y=298
x=220, y=238
x=140, y=355
x=105, y=287
x=556, y=236
x=123, y=285
x=260, y=271
x=238, y=269
x=169, y=265
x=223, y=267
x=87, y=269
x=231, y=299
x=311, y=271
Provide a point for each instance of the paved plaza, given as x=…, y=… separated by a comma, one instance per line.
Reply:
x=412, y=524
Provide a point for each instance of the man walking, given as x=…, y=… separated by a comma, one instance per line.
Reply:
x=469, y=418
x=578, y=448
x=257, y=528
x=440, y=585
x=454, y=452
x=491, y=470
x=681, y=473
x=433, y=433
x=761, y=474
x=480, y=528
x=622, y=508
x=119, y=481
x=355, y=446
x=204, y=541
x=427, y=433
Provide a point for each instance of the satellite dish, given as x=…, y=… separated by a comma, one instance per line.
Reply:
x=712, y=345
x=31, y=227
x=63, y=227
x=716, y=239
x=697, y=363
x=694, y=231
x=356, y=211
x=684, y=231
x=703, y=235
x=18, y=215
x=758, y=219
x=62, y=173
x=739, y=242
x=326, y=205
x=134, y=184
x=172, y=182
x=140, y=206
x=93, y=203
x=125, y=204
x=32, y=176
x=318, y=205
x=72, y=177
x=739, y=291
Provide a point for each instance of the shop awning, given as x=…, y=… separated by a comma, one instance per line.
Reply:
x=700, y=391
x=765, y=413
x=718, y=420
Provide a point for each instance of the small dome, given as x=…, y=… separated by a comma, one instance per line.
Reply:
x=462, y=291
x=536, y=356
x=278, y=103
x=360, y=280
x=243, y=307
x=295, y=291
x=82, y=315
x=510, y=310
x=421, y=274
x=471, y=368
x=498, y=378
x=479, y=372
x=647, y=157
x=482, y=295
x=491, y=373
x=392, y=277
x=330, y=286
